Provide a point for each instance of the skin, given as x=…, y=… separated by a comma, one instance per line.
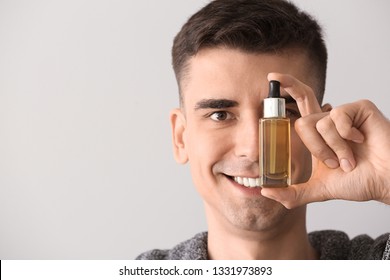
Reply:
x=356, y=136
x=339, y=153
x=220, y=143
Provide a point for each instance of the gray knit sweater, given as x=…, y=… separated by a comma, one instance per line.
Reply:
x=330, y=244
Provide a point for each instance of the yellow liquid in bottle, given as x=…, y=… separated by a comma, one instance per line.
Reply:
x=275, y=154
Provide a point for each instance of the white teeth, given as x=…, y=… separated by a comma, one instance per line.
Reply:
x=248, y=182
x=252, y=182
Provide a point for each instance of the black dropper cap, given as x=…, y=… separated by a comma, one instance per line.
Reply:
x=274, y=105
x=274, y=89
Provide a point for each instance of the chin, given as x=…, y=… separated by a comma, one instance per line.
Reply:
x=259, y=214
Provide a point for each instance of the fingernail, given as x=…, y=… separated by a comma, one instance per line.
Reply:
x=359, y=141
x=345, y=165
x=331, y=163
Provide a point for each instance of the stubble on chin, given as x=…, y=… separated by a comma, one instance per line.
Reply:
x=254, y=214
x=249, y=213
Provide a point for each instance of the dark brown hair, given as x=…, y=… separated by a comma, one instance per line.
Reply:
x=253, y=26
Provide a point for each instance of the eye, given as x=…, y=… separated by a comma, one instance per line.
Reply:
x=292, y=113
x=221, y=116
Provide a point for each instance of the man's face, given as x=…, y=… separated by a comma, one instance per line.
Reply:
x=217, y=131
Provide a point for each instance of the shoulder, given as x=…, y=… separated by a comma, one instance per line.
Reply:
x=191, y=249
x=333, y=244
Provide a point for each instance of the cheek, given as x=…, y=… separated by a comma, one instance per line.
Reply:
x=204, y=149
x=204, y=145
x=300, y=159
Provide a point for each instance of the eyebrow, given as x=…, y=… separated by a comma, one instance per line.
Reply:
x=215, y=104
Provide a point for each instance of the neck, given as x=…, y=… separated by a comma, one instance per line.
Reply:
x=286, y=240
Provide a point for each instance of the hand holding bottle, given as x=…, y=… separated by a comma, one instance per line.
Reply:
x=350, y=147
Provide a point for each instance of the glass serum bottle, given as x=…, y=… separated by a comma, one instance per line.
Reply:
x=275, y=145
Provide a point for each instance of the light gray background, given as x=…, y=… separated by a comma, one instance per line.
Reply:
x=86, y=86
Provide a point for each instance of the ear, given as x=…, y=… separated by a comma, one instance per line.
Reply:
x=327, y=107
x=178, y=125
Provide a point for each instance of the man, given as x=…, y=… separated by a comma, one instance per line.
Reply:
x=224, y=58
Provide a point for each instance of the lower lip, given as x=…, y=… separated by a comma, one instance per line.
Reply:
x=245, y=190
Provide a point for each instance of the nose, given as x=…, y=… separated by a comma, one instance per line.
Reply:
x=247, y=139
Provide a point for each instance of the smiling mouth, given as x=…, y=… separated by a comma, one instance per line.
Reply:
x=246, y=181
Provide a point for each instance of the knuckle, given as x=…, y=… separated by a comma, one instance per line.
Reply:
x=322, y=153
x=367, y=103
x=323, y=125
x=369, y=106
x=335, y=113
x=302, y=123
x=342, y=151
x=288, y=204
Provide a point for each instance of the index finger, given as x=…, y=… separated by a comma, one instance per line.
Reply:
x=304, y=95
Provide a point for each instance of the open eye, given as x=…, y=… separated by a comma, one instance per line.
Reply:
x=221, y=116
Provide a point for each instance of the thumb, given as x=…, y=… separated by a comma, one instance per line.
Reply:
x=295, y=195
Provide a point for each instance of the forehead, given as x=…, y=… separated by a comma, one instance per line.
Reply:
x=229, y=72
